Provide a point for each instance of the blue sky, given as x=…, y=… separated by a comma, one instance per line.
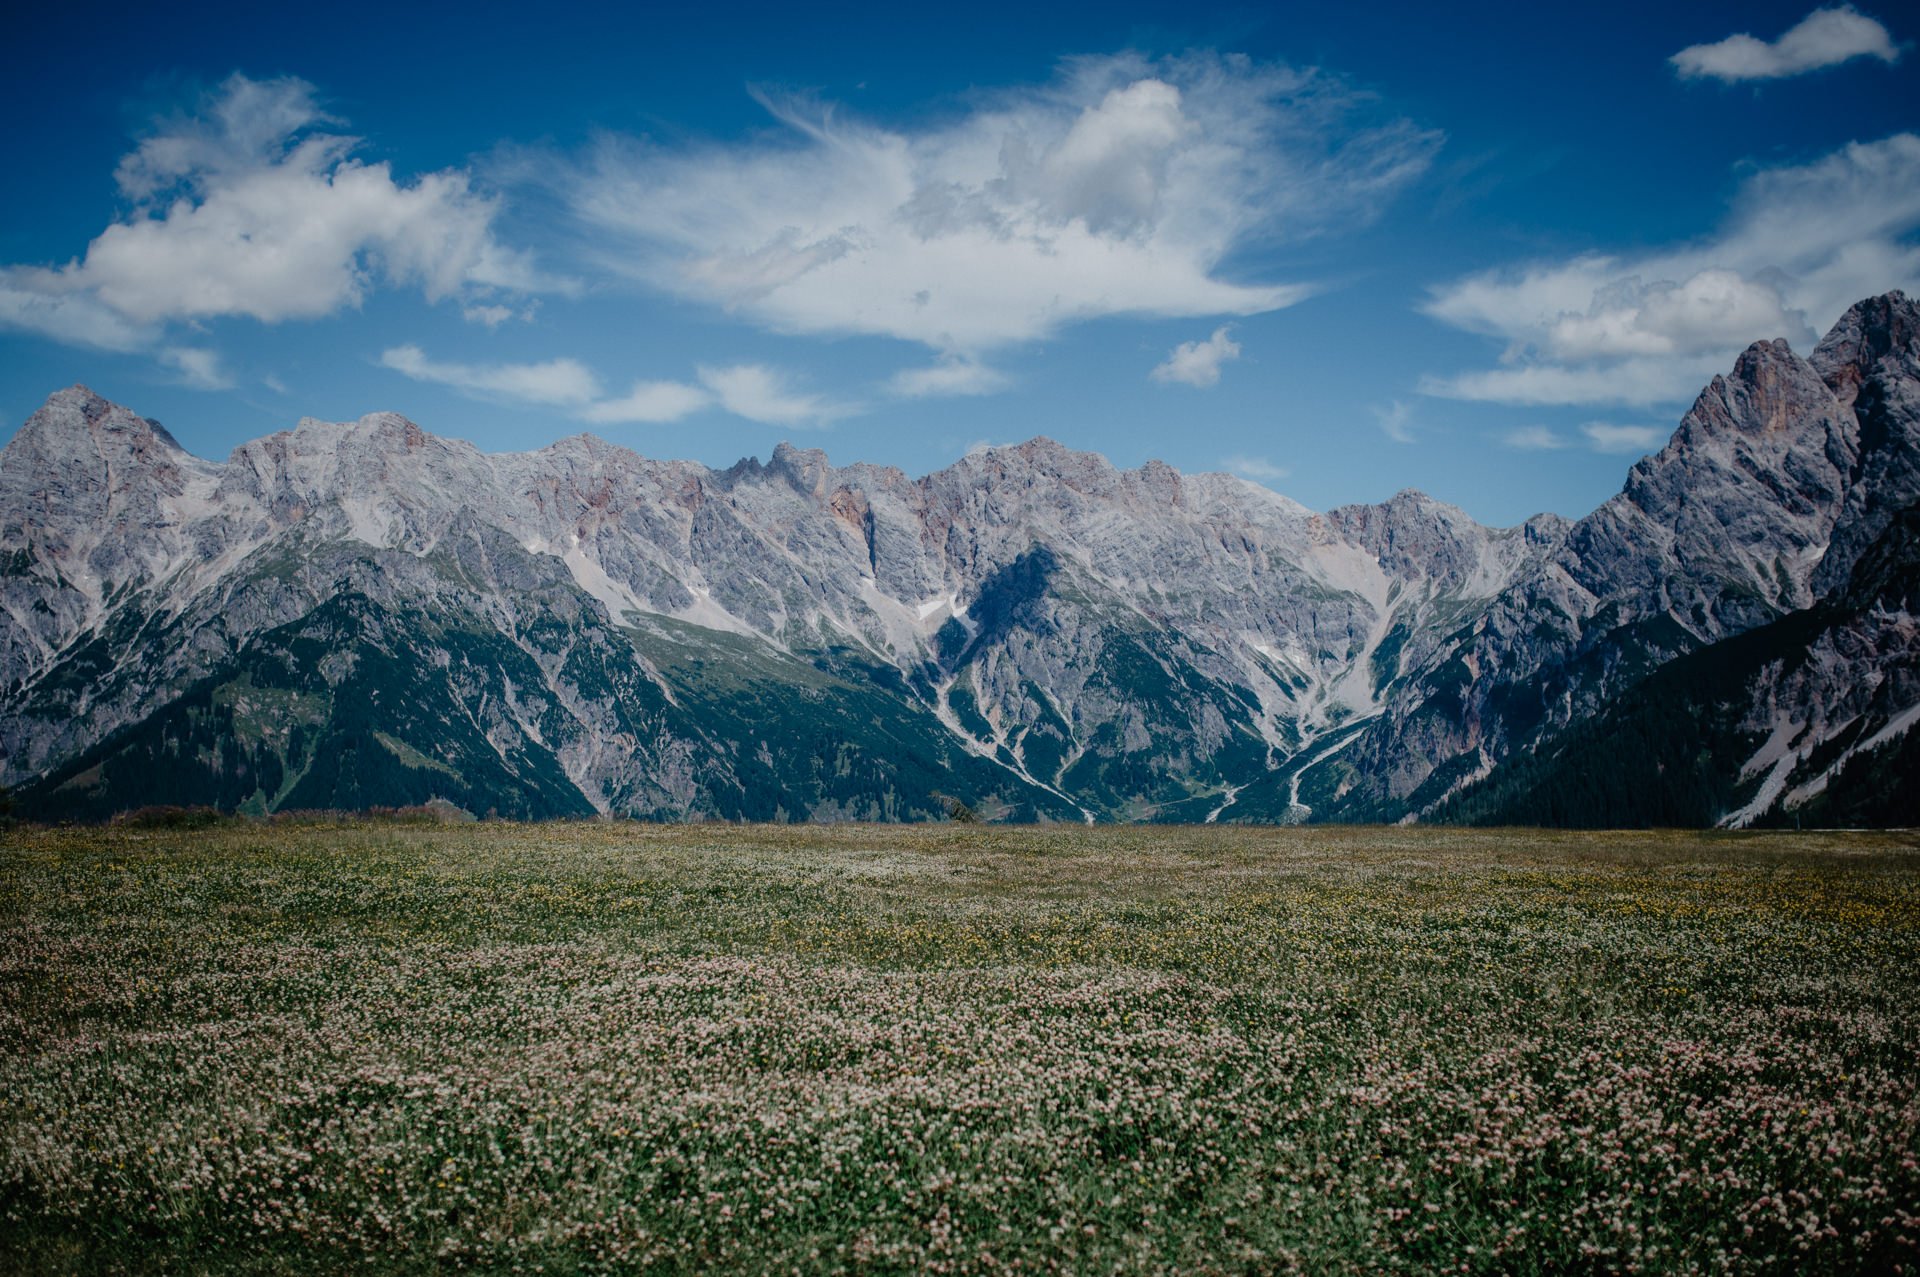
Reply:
x=1446, y=247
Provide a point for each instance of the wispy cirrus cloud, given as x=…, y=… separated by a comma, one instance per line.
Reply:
x=767, y=395
x=1534, y=439
x=254, y=205
x=1197, y=363
x=1597, y=436
x=950, y=376
x=1824, y=38
x=52, y=305
x=1801, y=244
x=1121, y=188
x=1395, y=420
x=198, y=367
x=753, y=391
x=650, y=402
x=1258, y=469
x=1603, y=436
x=552, y=381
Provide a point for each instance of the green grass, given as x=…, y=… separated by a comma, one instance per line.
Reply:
x=587, y=1048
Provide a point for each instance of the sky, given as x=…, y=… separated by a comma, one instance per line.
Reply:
x=1489, y=254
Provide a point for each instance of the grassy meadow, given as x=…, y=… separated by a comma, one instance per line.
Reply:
x=583, y=1048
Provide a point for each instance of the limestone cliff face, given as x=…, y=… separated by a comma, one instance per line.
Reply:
x=1776, y=480
x=1030, y=631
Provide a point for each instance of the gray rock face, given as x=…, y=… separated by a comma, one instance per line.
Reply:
x=1776, y=480
x=1116, y=644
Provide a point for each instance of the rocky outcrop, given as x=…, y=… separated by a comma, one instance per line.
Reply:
x=1773, y=484
x=1807, y=718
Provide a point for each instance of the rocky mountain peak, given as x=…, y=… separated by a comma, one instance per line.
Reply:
x=387, y=433
x=1878, y=328
x=1413, y=534
x=1161, y=481
x=1770, y=391
x=82, y=464
x=1059, y=636
x=807, y=469
x=1871, y=359
x=391, y=427
x=97, y=493
x=1747, y=491
x=77, y=421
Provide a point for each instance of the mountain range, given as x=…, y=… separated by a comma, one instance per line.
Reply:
x=365, y=614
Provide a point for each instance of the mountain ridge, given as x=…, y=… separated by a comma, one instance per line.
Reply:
x=1068, y=639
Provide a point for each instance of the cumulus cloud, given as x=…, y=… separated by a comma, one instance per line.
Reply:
x=1120, y=188
x=254, y=206
x=1824, y=38
x=1604, y=436
x=1707, y=311
x=1800, y=244
x=1257, y=468
x=1197, y=363
x=555, y=381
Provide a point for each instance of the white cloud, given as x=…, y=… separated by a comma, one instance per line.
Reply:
x=1709, y=311
x=1258, y=468
x=1639, y=382
x=650, y=401
x=556, y=381
x=753, y=391
x=763, y=394
x=1800, y=245
x=254, y=207
x=1600, y=436
x=1824, y=38
x=198, y=367
x=488, y=316
x=1605, y=437
x=950, y=376
x=1120, y=188
x=1197, y=363
x=1396, y=421
x=1533, y=439
x=42, y=301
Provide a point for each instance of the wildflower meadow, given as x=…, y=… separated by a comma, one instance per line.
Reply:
x=596, y=1048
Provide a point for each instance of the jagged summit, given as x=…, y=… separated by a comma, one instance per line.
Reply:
x=77, y=413
x=1876, y=329
x=360, y=612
